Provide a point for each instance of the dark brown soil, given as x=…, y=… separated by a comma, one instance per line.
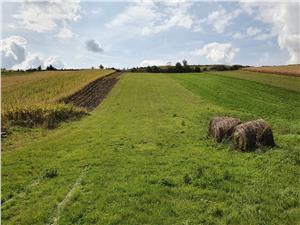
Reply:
x=90, y=96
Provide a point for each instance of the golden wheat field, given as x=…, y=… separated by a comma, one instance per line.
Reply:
x=30, y=99
x=291, y=70
x=45, y=86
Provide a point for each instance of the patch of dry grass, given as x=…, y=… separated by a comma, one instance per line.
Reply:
x=291, y=70
x=32, y=99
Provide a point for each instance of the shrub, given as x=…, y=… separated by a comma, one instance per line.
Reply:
x=48, y=116
x=197, y=69
x=178, y=68
x=50, y=67
x=219, y=67
x=236, y=67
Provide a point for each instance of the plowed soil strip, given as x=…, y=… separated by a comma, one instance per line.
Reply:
x=93, y=94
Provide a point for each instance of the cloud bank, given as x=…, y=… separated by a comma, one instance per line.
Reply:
x=46, y=16
x=284, y=21
x=152, y=62
x=13, y=51
x=14, y=55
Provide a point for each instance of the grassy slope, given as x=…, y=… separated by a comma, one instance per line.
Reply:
x=44, y=86
x=129, y=168
x=279, y=106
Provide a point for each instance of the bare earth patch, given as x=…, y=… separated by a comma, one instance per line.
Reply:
x=90, y=96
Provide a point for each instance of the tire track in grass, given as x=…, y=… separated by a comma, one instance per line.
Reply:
x=64, y=202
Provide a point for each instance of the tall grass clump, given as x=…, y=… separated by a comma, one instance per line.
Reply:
x=45, y=115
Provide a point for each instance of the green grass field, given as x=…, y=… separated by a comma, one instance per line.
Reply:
x=143, y=157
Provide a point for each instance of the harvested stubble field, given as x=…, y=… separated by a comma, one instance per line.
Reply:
x=143, y=157
x=290, y=70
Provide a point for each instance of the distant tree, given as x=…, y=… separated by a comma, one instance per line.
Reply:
x=133, y=69
x=155, y=69
x=39, y=68
x=92, y=68
x=205, y=69
x=178, y=67
x=148, y=69
x=220, y=68
x=31, y=69
x=50, y=67
x=236, y=67
x=184, y=63
x=197, y=69
x=101, y=67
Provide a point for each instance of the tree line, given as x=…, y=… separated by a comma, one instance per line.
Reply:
x=184, y=68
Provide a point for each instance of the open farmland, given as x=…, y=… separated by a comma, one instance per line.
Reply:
x=290, y=70
x=143, y=156
x=44, y=87
x=30, y=99
x=276, y=80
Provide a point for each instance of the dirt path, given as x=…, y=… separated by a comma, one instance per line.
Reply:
x=90, y=96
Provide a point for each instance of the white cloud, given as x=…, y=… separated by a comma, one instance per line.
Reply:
x=93, y=46
x=143, y=12
x=47, y=16
x=238, y=35
x=65, y=33
x=34, y=60
x=284, y=19
x=220, y=19
x=152, y=62
x=218, y=52
x=31, y=61
x=148, y=18
x=54, y=61
x=252, y=31
x=14, y=55
x=176, y=15
x=263, y=37
x=13, y=51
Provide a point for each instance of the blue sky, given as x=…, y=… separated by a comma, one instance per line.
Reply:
x=82, y=34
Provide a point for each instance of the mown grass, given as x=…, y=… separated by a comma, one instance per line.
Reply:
x=32, y=99
x=286, y=82
x=143, y=157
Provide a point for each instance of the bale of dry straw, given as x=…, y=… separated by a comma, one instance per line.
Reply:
x=221, y=128
x=253, y=134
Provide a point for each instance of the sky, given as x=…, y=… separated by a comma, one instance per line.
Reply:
x=122, y=34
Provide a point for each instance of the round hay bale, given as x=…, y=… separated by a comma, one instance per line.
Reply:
x=253, y=134
x=221, y=128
